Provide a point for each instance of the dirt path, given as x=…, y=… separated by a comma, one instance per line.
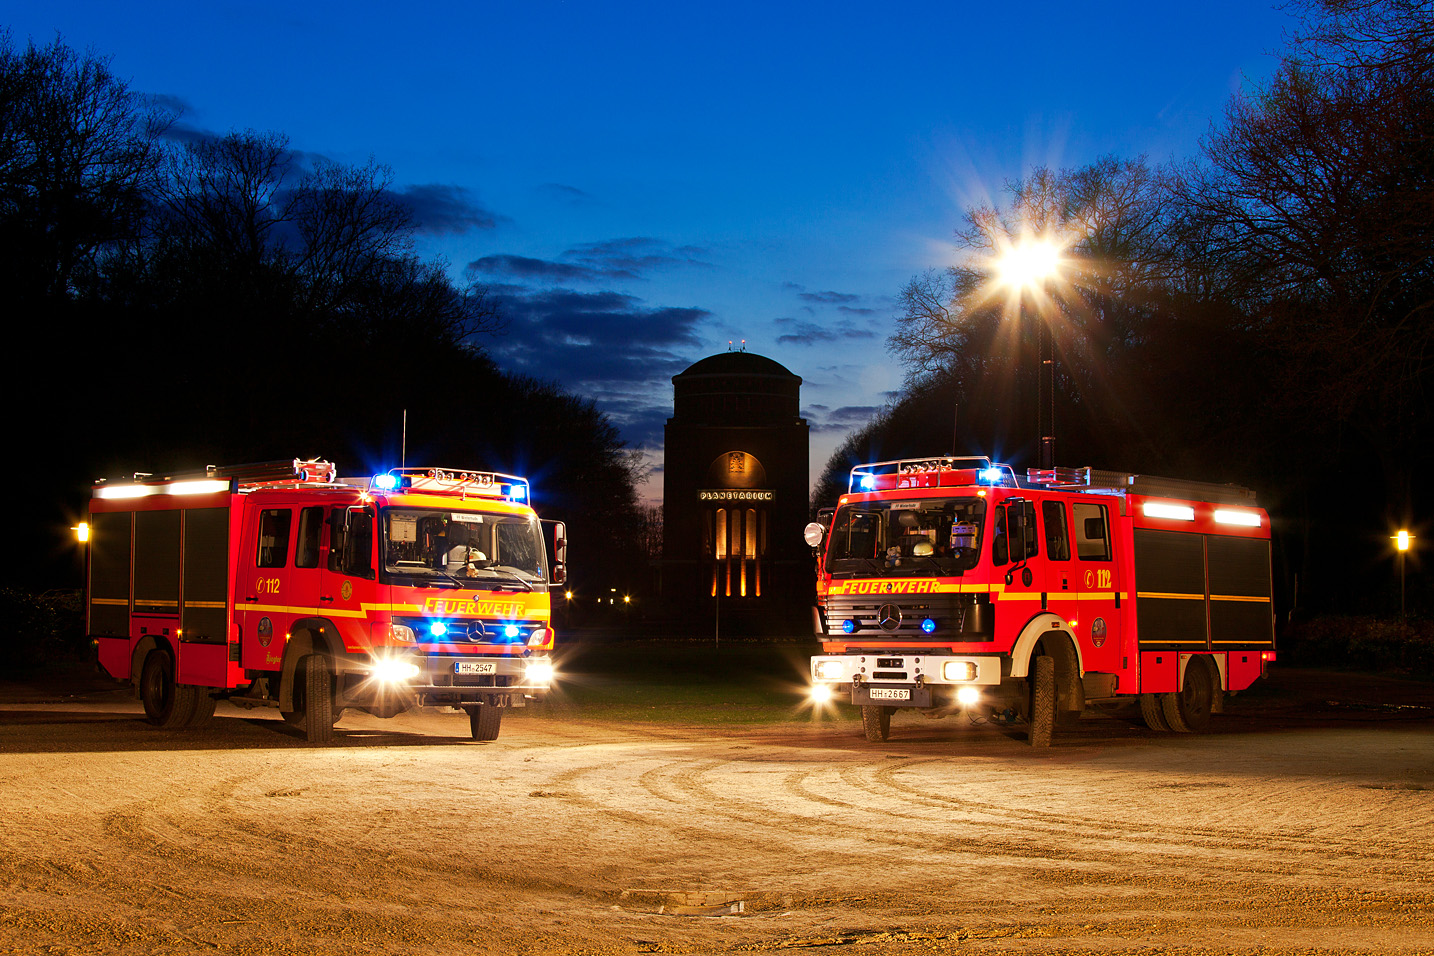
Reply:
x=1304, y=823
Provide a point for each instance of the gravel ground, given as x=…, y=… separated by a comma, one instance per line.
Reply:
x=1304, y=823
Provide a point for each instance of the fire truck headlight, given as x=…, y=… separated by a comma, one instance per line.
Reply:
x=968, y=695
x=402, y=633
x=539, y=637
x=540, y=671
x=830, y=670
x=822, y=693
x=394, y=670
x=958, y=671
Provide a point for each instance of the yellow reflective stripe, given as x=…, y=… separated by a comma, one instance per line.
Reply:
x=282, y=609
x=1237, y=597
x=156, y=603
x=205, y=604
x=115, y=602
x=1167, y=596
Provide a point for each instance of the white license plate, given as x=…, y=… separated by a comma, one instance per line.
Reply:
x=888, y=693
x=475, y=667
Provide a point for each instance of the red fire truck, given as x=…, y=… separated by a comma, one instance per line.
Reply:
x=949, y=584
x=279, y=584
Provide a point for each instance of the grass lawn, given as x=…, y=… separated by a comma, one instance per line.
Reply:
x=684, y=682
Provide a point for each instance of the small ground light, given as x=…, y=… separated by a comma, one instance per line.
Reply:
x=82, y=532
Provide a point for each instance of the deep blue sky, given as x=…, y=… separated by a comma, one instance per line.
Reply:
x=643, y=183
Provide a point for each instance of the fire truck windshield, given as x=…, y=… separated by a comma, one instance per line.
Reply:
x=464, y=548
x=913, y=538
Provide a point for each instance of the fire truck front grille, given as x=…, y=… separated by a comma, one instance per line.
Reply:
x=472, y=680
x=964, y=616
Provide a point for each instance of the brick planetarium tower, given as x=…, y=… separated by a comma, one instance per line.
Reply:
x=735, y=495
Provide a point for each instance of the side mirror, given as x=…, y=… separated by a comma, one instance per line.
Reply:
x=814, y=533
x=557, y=542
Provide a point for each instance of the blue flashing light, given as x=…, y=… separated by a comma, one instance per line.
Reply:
x=848, y=626
x=992, y=476
x=868, y=482
x=438, y=629
x=385, y=482
x=928, y=626
x=511, y=632
x=519, y=493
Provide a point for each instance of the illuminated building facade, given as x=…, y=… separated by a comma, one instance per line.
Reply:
x=736, y=492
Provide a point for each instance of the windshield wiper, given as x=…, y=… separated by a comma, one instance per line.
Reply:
x=511, y=578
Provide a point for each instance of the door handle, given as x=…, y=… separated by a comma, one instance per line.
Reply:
x=251, y=599
x=326, y=597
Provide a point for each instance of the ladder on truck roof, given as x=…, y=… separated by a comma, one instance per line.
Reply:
x=1108, y=482
x=260, y=474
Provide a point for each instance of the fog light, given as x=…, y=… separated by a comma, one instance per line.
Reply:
x=968, y=695
x=511, y=632
x=540, y=671
x=928, y=626
x=394, y=671
x=848, y=626
x=955, y=671
x=822, y=693
x=830, y=670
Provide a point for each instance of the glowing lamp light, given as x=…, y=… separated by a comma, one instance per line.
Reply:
x=1401, y=541
x=830, y=670
x=385, y=482
x=1243, y=519
x=540, y=671
x=394, y=671
x=991, y=476
x=438, y=629
x=519, y=493
x=868, y=483
x=848, y=626
x=1161, y=509
x=928, y=626
x=82, y=532
x=968, y=695
x=821, y=694
x=1028, y=263
x=511, y=631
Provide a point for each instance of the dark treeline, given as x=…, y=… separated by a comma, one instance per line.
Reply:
x=1260, y=316
x=177, y=300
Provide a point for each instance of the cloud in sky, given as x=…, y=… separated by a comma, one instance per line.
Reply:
x=443, y=209
x=594, y=262
x=798, y=332
x=609, y=345
x=823, y=418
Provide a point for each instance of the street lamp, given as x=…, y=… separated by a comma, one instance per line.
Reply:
x=1401, y=544
x=1023, y=265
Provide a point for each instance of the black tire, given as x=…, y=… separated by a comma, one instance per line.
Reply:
x=1188, y=712
x=876, y=722
x=313, y=711
x=1042, y=709
x=1153, y=712
x=484, y=721
x=166, y=704
x=203, y=709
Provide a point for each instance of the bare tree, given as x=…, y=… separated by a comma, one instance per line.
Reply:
x=78, y=155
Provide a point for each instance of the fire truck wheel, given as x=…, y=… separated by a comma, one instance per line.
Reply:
x=1153, y=712
x=1043, y=702
x=314, y=699
x=876, y=722
x=1188, y=711
x=484, y=721
x=203, y=709
x=166, y=703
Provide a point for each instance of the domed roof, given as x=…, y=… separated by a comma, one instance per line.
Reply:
x=736, y=363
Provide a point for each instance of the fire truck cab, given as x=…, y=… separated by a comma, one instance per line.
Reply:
x=279, y=584
x=951, y=585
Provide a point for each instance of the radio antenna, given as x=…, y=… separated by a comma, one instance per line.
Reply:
x=403, y=443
